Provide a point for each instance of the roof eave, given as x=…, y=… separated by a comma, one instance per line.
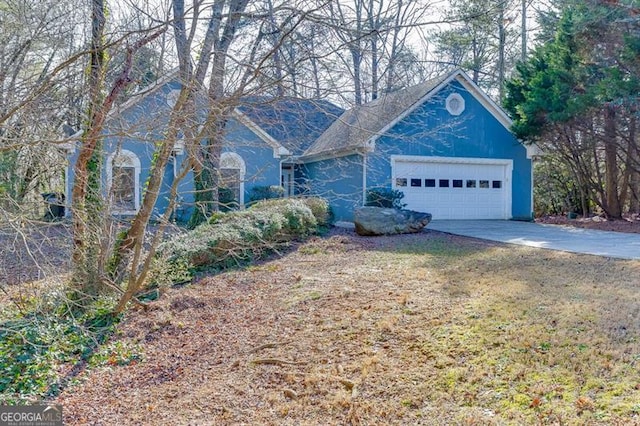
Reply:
x=278, y=149
x=493, y=108
x=331, y=154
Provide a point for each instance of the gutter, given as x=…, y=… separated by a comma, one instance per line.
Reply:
x=343, y=152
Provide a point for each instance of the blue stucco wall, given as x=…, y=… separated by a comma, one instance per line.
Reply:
x=339, y=180
x=431, y=131
x=262, y=169
x=137, y=128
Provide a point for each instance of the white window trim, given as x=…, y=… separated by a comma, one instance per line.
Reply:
x=135, y=161
x=178, y=147
x=231, y=160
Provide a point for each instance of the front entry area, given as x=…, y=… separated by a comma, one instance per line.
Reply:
x=454, y=188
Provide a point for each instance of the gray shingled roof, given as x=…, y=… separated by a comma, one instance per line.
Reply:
x=356, y=126
x=295, y=123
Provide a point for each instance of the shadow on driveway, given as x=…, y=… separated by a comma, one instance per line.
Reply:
x=554, y=237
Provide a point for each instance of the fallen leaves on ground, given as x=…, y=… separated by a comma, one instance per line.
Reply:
x=411, y=329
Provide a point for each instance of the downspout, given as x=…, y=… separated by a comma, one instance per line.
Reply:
x=533, y=212
x=280, y=183
x=67, y=187
x=364, y=178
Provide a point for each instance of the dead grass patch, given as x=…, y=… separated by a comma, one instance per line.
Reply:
x=416, y=329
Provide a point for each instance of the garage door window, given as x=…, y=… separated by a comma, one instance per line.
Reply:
x=454, y=188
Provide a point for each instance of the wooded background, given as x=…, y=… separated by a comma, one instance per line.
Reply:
x=568, y=72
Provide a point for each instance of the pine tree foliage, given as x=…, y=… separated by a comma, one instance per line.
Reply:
x=578, y=97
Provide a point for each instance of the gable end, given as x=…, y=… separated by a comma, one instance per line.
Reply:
x=278, y=149
x=475, y=91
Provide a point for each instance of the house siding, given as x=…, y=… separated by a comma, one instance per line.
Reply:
x=139, y=127
x=262, y=169
x=339, y=180
x=135, y=130
x=431, y=131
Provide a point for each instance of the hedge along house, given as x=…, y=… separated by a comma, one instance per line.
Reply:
x=262, y=137
x=443, y=143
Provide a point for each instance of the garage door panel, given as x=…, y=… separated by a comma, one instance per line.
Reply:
x=454, y=190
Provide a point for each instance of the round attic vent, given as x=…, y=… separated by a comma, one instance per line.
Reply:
x=455, y=104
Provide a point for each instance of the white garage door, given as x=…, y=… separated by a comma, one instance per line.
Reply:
x=455, y=188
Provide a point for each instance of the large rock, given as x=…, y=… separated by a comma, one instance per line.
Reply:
x=383, y=221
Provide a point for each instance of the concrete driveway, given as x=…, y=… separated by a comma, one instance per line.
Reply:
x=554, y=237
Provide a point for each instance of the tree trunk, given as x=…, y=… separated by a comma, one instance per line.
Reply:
x=357, y=79
x=138, y=275
x=374, y=28
x=90, y=248
x=277, y=59
x=625, y=187
x=523, y=47
x=613, y=209
x=206, y=181
x=501, y=50
x=476, y=62
x=86, y=192
x=634, y=173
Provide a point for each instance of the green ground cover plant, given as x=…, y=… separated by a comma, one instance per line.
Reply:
x=413, y=329
x=39, y=342
x=44, y=337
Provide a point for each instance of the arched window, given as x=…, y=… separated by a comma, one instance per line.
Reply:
x=232, y=171
x=123, y=181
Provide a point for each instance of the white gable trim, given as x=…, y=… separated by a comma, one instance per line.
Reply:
x=143, y=94
x=485, y=100
x=278, y=149
x=468, y=84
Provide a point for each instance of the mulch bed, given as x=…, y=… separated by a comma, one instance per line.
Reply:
x=630, y=224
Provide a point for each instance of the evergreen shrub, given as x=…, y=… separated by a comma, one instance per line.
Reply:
x=236, y=238
x=383, y=197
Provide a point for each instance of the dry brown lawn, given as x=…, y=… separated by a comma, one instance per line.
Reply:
x=417, y=329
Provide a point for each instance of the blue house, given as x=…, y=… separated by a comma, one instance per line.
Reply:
x=443, y=143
